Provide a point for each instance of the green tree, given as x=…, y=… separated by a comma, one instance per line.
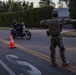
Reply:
x=30, y=6
x=24, y=5
x=1, y=10
x=72, y=9
x=15, y=7
x=45, y=3
x=1, y=7
x=9, y=2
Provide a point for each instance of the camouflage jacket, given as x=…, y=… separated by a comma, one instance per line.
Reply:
x=55, y=26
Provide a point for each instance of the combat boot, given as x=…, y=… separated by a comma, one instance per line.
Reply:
x=66, y=63
x=54, y=64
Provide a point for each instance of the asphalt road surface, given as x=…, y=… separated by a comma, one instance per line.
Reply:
x=31, y=57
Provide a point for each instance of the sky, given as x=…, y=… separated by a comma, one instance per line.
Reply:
x=35, y=1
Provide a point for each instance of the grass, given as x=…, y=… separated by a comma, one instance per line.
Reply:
x=4, y=27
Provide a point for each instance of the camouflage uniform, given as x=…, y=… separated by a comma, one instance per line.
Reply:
x=56, y=40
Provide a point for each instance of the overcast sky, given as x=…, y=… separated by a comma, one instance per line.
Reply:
x=35, y=1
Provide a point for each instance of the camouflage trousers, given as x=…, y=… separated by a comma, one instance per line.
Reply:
x=56, y=41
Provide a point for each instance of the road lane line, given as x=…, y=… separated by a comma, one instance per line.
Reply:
x=7, y=68
x=45, y=57
x=41, y=55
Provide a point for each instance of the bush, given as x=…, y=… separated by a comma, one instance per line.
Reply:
x=74, y=24
x=30, y=17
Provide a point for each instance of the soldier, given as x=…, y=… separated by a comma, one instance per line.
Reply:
x=55, y=29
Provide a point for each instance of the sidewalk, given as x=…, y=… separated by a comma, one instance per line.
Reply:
x=67, y=30
x=68, y=33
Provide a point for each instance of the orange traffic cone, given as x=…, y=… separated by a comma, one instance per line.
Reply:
x=12, y=44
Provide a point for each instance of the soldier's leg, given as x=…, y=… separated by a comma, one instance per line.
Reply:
x=52, y=49
x=62, y=51
x=52, y=55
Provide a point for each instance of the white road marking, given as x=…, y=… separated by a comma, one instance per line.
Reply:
x=33, y=71
x=21, y=74
x=7, y=68
x=10, y=57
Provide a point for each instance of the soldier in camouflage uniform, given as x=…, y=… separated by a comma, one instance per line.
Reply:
x=55, y=27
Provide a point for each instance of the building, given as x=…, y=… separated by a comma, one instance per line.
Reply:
x=63, y=13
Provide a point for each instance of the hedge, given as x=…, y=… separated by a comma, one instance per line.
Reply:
x=31, y=17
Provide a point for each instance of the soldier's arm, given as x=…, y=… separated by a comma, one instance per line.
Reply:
x=63, y=22
x=68, y=21
x=45, y=22
x=71, y=20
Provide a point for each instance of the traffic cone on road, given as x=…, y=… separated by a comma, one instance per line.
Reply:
x=12, y=44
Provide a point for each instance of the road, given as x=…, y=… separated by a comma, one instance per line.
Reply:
x=31, y=57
